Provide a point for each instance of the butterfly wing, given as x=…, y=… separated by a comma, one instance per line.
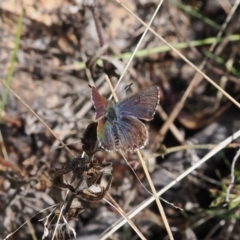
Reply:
x=127, y=133
x=99, y=103
x=132, y=133
x=142, y=105
x=107, y=134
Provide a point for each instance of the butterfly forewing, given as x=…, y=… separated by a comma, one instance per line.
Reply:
x=99, y=103
x=141, y=105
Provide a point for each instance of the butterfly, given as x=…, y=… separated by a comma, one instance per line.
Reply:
x=119, y=126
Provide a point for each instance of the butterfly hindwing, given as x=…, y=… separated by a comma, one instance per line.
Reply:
x=132, y=133
x=106, y=134
x=129, y=133
x=141, y=105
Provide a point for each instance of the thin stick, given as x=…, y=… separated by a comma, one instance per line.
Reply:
x=178, y=135
x=119, y=209
x=227, y=199
x=59, y=217
x=148, y=177
x=138, y=45
x=38, y=117
x=31, y=229
x=196, y=146
x=95, y=12
x=155, y=195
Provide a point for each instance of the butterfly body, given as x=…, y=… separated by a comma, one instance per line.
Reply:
x=111, y=115
x=118, y=124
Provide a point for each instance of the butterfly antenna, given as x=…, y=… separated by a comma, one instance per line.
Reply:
x=128, y=86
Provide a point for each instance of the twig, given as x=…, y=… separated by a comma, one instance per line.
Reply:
x=139, y=43
x=119, y=209
x=196, y=146
x=94, y=9
x=227, y=199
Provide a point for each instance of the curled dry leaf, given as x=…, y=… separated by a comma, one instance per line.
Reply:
x=79, y=174
x=89, y=139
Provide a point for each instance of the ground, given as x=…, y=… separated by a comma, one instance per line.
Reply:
x=51, y=51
